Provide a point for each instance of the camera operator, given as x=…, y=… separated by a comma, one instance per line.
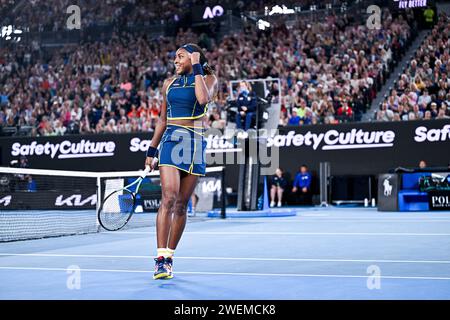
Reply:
x=247, y=105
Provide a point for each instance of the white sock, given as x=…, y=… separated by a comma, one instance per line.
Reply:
x=162, y=252
x=170, y=253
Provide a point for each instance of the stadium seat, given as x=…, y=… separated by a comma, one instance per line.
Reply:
x=409, y=197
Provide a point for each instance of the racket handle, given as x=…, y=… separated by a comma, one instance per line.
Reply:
x=146, y=171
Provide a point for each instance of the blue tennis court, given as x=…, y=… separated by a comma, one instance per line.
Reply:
x=330, y=253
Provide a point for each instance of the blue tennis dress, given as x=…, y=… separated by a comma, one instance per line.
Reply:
x=183, y=147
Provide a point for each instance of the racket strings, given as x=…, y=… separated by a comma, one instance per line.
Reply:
x=117, y=209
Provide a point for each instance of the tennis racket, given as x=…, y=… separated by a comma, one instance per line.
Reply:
x=118, y=207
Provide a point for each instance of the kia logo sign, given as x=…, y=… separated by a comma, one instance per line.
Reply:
x=216, y=11
x=211, y=186
x=5, y=201
x=75, y=200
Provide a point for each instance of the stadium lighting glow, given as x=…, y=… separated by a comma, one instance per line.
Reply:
x=262, y=24
x=280, y=10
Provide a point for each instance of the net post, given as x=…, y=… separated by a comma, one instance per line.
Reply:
x=324, y=183
x=222, y=196
x=99, y=200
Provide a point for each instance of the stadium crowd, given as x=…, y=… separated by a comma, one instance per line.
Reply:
x=329, y=70
x=423, y=89
x=92, y=12
x=120, y=12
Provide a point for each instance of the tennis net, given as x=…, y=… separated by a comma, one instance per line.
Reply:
x=36, y=203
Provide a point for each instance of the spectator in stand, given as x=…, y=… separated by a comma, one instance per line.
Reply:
x=307, y=119
x=278, y=185
x=422, y=164
x=424, y=99
x=284, y=121
x=442, y=114
x=215, y=121
x=345, y=112
x=31, y=185
x=294, y=120
x=424, y=85
x=315, y=62
x=429, y=14
x=434, y=110
x=302, y=186
x=385, y=114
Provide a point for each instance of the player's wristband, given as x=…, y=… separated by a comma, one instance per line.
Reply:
x=152, y=152
x=198, y=69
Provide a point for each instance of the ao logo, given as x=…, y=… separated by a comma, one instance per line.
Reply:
x=387, y=187
x=216, y=11
x=211, y=186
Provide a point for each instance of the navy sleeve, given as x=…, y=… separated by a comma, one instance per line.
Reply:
x=283, y=183
x=240, y=103
x=308, y=182
x=252, y=105
x=272, y=181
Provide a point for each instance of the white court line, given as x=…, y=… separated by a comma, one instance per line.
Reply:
x=372, y=217
x=215, y=233
x=220, y=258
x=230, y=273
x=237, y=220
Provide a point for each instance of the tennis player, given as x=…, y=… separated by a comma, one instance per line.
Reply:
x=179, y=145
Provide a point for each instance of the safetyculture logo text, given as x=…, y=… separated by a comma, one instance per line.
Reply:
x=329, y=140
x=65, y=149
x=335, y=140
x=432, y=135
